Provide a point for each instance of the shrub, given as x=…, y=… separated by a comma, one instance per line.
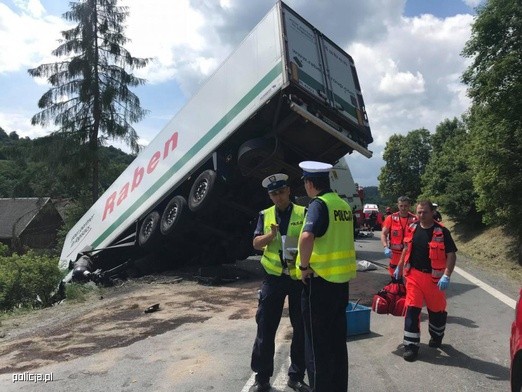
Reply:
x=4, y=250
x=27, y=280
x=77, y=292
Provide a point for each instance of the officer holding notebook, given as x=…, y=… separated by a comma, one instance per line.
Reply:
x=278, y=229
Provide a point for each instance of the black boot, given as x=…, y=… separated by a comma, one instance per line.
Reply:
x=410, y=352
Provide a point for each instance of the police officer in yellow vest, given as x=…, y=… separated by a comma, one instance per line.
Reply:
x=326, y=263
x=277, y=228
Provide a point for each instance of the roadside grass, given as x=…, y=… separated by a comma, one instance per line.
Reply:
x=492, y=249
x=75, y=293
x=81, y=292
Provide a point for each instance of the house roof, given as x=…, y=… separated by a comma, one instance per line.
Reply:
x=18, y=213
x=62, y=205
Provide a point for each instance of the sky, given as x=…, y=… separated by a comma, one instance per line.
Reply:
x=407, y=55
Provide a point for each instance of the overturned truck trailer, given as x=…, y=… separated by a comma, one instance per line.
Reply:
x=286, y=94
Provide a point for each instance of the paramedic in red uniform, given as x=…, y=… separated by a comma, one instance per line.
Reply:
x=326, y=262
x=427, y=262
x=393, y=230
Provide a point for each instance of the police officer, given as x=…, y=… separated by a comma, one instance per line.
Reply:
x=393, y=230
x=326, y=262
x=427, y=261
x=277, y=227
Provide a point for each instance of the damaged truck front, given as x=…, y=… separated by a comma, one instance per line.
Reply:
x=286, y=94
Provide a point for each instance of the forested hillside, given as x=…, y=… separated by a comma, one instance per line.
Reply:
x=49, y=167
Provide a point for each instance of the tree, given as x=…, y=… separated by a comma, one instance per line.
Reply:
x=90, y=100
x=448, y=176
x=40, y=168
x=494, y=81
x=3, y=134
x=406, y=158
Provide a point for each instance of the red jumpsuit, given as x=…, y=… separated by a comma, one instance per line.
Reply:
x=425, y=262
x=397, y=226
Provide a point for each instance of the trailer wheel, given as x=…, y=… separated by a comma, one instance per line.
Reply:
x=201, y=193
x=149, y=230
x=260, y=156
x=174, y=214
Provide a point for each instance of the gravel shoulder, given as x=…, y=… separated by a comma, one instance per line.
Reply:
x=115, y=317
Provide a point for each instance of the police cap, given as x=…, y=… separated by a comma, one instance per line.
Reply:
x=315, y=169
x=275, y=182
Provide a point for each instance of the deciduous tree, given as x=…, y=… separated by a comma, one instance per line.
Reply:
x=494, y=81
x=406, y=158
x=448, y=176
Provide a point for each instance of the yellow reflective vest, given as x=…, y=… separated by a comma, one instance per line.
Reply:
x=271, y=260
x=333, y=255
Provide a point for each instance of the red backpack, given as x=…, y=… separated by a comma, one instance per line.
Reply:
x=390, y=300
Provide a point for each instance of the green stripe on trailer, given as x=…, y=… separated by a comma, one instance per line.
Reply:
x=227, y=118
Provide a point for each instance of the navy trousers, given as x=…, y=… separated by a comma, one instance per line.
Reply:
x=324, y=313
x=271, y=302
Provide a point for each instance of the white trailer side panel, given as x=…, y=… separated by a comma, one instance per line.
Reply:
x=245, y=81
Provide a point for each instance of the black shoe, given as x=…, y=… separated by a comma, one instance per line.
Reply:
x=299, y=386
x=435, y=343
x=410, y=352
x=260, y=386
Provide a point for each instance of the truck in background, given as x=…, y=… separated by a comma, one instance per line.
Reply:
x=286, y=94
x=373, y=217
x=341, y=180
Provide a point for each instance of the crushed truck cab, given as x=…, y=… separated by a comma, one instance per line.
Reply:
x=286, y=94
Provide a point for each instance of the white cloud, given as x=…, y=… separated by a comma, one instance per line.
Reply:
x=19, y=121
x=32, y=7
x=173, y=34
x=401, y=83
x=27, y=36
x=410, y=77
x=473, y=3
x=409, y=68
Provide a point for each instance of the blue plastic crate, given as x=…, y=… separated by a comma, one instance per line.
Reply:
x=357, y=319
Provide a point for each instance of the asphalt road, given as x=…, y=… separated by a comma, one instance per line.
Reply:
x=214, y=354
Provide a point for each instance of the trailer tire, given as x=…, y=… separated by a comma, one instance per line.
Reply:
x=149, y=230
x=174, y=215
x=202, y=191
x=260, y=156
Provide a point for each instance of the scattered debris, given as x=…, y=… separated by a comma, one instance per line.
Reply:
x=152, y=308
x=365, y=265
x=215, y=280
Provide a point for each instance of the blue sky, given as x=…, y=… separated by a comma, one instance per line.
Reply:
x=407, y=54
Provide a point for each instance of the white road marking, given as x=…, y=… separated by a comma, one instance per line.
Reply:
x=249, y=383
x=280, y=380
x=494, y=292
x=281, y=377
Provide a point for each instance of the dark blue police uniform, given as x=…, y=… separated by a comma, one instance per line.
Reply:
x=271, y=302
x=322, y=302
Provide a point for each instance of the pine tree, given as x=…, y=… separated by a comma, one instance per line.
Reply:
x=90, y=100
